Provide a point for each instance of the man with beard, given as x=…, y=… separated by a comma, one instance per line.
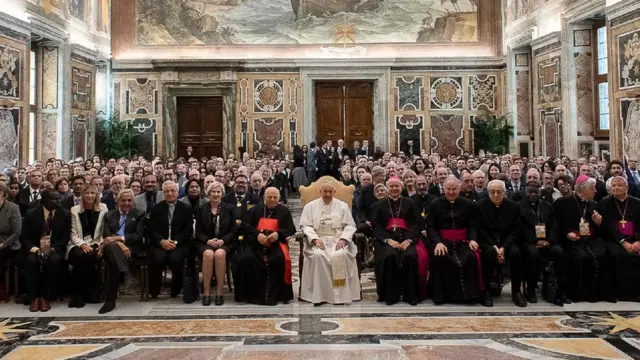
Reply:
x=537, y=219
x=576, y=226
x=262, y=265
x=396, y=232
x=422, y=198
x=151, y=196
x=498, y=229
x=241, y=199
x=456, y=269
x=620, y=225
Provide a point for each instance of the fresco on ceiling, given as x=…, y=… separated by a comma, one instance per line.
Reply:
x=275, y=22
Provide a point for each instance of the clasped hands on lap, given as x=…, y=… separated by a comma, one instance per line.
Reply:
x=267, y=240
x=399, y=246
x=339, y=246
x=442, y=250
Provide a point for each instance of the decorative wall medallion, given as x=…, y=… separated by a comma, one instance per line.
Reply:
x=584, y=93
x=447, y=131
x=9, y=135
x=523, y=102
x=145, y=136
x=522, y=59
x=410, y=127
x=582, y=37
x=629, y=59
x=409, y=93
x=267, y=135
x=446, y=93
x=293, y=95
x=81, y=89
x=549, y=83
x=10, y=67
x=50, y=77
x=605, y=151
x=244, y=96
x=268, y=96
x=630, y=115
x=142, y=96
x=482, y=92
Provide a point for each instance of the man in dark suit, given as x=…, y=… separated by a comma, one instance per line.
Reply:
x=47, y=232
x=322, y=161
x=365, y=150
x=257, y=184
x=515, y=183
x=77, y=183
x=240, y=199
x=311, y=163
x=123, y=234
x=367, y=200
x=116, y=184
x=30, y=194
x=437, y=188
x=169, y=233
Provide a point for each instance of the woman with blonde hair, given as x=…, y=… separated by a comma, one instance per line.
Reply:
x=83, y=249
x=409, y=180
x=215, y=234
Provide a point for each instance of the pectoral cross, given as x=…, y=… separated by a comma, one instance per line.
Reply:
x=395, y=225
x=623, y=222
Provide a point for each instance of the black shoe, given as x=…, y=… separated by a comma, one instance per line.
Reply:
x=80, y=302
x=413, y=302
x=531, y=297
x=206, y=300
x=95, y=297
x=519, y=300
x=175, y=294
x=487, y=300
x=564, y=298
x=73, y=301
x=318, y=304
x=611, y=299
x=219, y=300
x=107, y=307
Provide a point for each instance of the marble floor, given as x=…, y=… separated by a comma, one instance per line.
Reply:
x=168, y=329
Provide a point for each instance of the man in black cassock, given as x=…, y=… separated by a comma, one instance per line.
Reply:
x=620, y=227
x=577, y=225
x=455, y=269
x=422, y=198
x=498, y=230
x=396, y=232
x=466, y=187
x=537, y=218
x=262, y=265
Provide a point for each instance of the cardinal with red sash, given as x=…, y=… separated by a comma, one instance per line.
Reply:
x=621, y=228
x=400, y=253
x=578, y=224
x=262, y=265
x=456, y=273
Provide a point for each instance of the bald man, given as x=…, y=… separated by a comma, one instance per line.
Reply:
x=170, y=242
x=330, y=272
x=451, y=226
x=262, y=265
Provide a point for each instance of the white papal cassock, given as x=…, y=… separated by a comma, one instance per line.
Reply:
x=329, y=275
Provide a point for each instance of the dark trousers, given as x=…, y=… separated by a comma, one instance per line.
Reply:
x=117, y=265
x=532, y=264
x=85, y=272
x=513, y=255
x=159, y=258
x=43, y=275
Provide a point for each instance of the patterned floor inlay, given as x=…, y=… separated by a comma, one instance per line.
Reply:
x=451, y=325
x=51, y=352
x=592, y=348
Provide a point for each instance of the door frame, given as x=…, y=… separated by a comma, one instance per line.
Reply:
x=381, y=82
x=169, y=121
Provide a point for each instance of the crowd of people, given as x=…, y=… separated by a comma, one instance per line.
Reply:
x=440, y=227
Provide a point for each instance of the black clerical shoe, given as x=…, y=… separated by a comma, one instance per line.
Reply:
x=531, y=297
x=563, y=297
x=73, y=301
x=107, y=307
x=219, y=301
x=487, y=300
x=413, y=302
x=611, y=299
x=519, y=300
x=206, y=300
x=95, y=297
x=80, y=302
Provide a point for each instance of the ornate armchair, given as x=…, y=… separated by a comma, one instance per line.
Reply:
x=344, y=193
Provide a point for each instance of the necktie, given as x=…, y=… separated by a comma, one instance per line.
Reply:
x=34, y=196
x=47, y=224
x=123, y=220
x=76, y=201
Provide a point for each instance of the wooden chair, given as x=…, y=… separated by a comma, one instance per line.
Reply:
x=344, y=193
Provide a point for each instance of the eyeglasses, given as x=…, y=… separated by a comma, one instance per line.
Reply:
x=496, y=192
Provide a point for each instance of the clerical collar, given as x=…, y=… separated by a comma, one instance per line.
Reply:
x=395, y=200
x=623, y=200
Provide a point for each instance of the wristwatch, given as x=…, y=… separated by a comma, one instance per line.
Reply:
x=410, y=241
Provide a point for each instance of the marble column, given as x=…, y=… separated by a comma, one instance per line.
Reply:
x=519, y=99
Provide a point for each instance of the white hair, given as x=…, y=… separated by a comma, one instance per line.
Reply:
x=589, y=183
x=168, y=183
x=213, y=185
x=608, y=184
x=500, y=184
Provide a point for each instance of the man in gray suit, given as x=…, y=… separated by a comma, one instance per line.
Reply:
x=150, y=197
x=311, y=163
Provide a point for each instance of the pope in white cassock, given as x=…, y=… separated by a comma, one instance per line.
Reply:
x=330, y=272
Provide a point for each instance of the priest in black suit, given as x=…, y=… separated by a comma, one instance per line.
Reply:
x=169, y=230
x=46, y=233
x=498, y=235
x=241, y=200
x=123, y=234
x=422, y=199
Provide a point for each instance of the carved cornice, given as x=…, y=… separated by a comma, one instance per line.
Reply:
x=623, y=12
x=546, y=44
x=583, y=9
x=13, y=28
x=83, y=55
x=46, y=29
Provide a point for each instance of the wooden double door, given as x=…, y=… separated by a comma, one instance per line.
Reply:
x=344, y=110
x=200, y=126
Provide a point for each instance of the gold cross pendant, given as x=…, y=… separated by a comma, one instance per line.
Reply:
x=623, y=222
x=395, y=226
